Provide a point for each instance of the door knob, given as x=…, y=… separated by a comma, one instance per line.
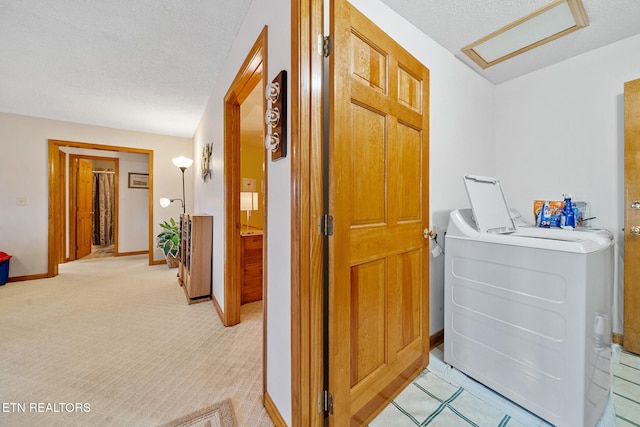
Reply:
x=635, y=229
x=430, y=234
x=635, y=205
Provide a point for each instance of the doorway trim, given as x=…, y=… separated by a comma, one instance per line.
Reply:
x=72, y=188
x=307, y=362
x=250, y=74
x=57, y=197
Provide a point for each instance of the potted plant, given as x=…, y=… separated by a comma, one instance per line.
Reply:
x=169, y=242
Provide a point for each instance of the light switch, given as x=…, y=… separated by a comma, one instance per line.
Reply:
x=21, y=201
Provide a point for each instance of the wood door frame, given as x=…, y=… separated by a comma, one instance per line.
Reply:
x=306, y=148
x=251, y=73
x=631, y=319
x=72, y=201
x=57, y=197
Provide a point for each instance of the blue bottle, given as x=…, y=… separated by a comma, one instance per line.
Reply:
x=568, y=214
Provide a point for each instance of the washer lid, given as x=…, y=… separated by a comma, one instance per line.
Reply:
x=489, y=206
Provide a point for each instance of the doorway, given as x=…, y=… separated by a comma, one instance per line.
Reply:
x=244, y=108
x=93, y=207
x=349, y=376
x=249, y=79
x=378, y=254
x=252, y=164
x=57, y=185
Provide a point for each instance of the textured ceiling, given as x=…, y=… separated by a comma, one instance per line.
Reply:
x=455, y=24
x=150, y=65
x=146, y=65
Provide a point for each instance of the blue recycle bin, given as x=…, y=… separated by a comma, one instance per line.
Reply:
x=4, y=267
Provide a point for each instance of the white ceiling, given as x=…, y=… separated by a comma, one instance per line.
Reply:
x=455, y=24
x=147, y=65
x=150, y=65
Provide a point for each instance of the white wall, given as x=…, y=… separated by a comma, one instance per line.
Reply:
x=461, y=135
x=133, y=206
x=24, y=174
x=560, y=129
x=210, y=195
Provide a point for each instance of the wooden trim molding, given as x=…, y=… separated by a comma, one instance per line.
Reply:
x=28, y=277
x=306, y=148
x=580, y=21
x=436, y=339
x=136, y=253
x=273, y=412
x=56, y=186
x=617, y=339
x=216, y=305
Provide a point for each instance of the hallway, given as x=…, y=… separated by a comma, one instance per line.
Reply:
x=118, y=337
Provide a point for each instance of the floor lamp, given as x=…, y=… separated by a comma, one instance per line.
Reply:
x=164, y=202
x=182, y=163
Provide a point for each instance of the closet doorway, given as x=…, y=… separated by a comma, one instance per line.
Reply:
x=93, y=206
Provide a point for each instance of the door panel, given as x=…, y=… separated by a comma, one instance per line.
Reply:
x=378, y=196
x=84, y=218
x=632, y=216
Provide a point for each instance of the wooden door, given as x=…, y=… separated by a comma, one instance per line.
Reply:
x=84, y=203
x=378, y=195
x=631, y=340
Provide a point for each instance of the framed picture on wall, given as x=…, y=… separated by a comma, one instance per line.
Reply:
x=138, y=180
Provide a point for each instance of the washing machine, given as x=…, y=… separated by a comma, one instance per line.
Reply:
x=528, y=310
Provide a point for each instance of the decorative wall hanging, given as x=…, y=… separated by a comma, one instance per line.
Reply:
x=138, y=180
x=206, y=161
x=276, y=116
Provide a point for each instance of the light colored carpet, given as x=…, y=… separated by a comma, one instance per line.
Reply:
x=218, y=415
x=113, y=342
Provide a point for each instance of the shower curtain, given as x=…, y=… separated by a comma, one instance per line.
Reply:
x=103, y=195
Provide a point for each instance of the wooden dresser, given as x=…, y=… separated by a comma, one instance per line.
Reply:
x=194, y=272
x=250, y=265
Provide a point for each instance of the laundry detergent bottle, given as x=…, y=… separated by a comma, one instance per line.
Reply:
x=568, y=216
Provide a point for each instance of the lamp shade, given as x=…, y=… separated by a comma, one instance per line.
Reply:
x=164, y=202
x=182, y=162
x=248, y=201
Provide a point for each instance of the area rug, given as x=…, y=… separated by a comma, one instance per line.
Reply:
x=218, y=415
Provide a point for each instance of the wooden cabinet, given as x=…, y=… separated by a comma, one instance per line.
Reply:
x=194, y=272
x=251, y=266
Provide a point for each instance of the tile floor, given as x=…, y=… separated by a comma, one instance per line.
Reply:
x=439, y=398
x=626, y=390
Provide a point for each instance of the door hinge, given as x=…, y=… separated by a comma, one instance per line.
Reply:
x=325, y=402
x=325, y=225
x=324, y=45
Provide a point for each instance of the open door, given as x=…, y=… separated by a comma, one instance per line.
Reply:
x=378, y=197
x=631, y=340
x=84, y=217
